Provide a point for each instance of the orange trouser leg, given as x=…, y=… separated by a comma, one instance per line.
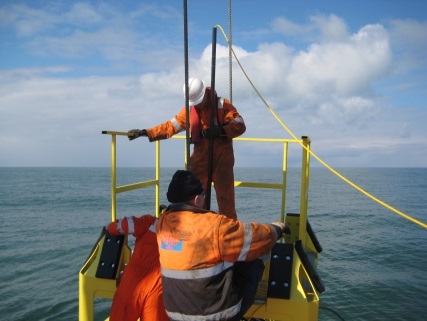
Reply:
x=154, y=308
x=125, y=307
x=222, y=176
x=139, y=296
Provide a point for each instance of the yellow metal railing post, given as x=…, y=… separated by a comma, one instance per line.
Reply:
x=113, y=177
x=305, y=174
x=284, y=177
x=86, y=308
x=157, y=209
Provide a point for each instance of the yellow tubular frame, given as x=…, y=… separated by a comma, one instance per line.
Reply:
x=302, y=305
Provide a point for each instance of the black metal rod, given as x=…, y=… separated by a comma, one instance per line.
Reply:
x=187, y=108
x=211, y=123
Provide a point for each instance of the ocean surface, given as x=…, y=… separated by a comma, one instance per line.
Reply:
x=373, y=264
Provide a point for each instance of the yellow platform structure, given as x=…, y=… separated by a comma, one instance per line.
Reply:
x=290, y=287
x=97, y=278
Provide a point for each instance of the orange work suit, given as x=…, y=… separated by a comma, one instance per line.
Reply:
x=198, y=251
x=229, y=119
x=139, y=294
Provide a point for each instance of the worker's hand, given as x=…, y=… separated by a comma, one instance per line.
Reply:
x=282, y=228
x=213, y=132
x=137, y=133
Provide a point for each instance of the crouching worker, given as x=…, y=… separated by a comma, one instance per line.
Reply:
x=139, y=294
x=210, y=263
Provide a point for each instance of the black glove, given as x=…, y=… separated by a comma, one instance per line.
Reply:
x=213, y=132
x=137, y=133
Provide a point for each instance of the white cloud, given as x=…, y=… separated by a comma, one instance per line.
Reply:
x=409, y=41
x=330, y=82
x=331, y=27
x=340, y=74
x=84, y=14
x=335, y=89
x=99, y=32
x=27, y=21
x=323, y=28
x=287, y=27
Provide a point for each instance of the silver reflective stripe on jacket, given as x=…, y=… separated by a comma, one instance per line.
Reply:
x=247, y=243
x=220, y=103
x=222, y=315
x=176, y=125
x=197, y=274
x=131, y=225
x=237, y=120
x=153, y=226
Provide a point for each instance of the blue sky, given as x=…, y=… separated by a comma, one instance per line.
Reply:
x=352, y=75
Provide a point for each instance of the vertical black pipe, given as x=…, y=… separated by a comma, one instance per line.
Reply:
x=187, y=103
x=211, y=123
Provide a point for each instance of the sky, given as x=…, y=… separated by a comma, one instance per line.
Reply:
x=351, y=75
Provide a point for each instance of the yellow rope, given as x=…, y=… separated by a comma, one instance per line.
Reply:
x=409, y=218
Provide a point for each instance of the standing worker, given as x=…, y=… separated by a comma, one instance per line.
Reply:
x=210, y=263
x=228, y=124
x=139, y=295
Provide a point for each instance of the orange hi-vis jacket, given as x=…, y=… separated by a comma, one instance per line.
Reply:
x=233, y=124
x=139, y=294
x=198, y=249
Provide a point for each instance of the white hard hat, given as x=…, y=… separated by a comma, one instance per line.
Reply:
x=196, y=91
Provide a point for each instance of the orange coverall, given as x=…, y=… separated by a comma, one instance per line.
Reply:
x=140, y=293
x=226, y=116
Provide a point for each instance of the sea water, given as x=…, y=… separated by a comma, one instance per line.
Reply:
x=373, y=263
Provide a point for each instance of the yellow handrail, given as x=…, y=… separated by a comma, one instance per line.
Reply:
x=156, y=181
x=125, y=188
